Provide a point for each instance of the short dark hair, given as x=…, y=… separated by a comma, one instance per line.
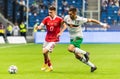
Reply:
x=52, y=8
x=73, y=9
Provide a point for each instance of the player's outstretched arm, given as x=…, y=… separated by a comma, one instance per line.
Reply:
x=40, y=26
x=105, y=25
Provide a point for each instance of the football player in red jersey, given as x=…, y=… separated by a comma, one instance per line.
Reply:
x=54, y=26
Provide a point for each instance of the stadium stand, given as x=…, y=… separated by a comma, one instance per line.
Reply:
x=109, y=12
x=38, y=10
x=63, y=6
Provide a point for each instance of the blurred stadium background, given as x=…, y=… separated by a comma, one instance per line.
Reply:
x=33, y=11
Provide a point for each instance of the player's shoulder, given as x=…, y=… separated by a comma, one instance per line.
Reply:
x=59, y=17
x=47, y=17
x=66, y=16
x=80, y=17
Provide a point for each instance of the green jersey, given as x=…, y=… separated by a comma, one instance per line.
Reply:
x=76, y=30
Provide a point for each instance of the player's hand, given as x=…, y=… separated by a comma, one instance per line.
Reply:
x=59, y=34
x=105, y=25
x=38, y=28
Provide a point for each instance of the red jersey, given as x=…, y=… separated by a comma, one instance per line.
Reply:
x=53, y=28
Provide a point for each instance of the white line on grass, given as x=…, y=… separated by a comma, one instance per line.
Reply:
x=15, y=45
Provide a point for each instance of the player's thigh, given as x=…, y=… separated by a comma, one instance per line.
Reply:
x=49, y=46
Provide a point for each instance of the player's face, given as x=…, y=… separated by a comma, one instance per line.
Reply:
x=51, y=13
x=72, y=14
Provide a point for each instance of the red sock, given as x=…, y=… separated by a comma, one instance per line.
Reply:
x=49, y=63
x=45, y=60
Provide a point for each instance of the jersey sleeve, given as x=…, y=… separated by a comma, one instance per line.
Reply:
x=61, y=19
x=84, y=20
x=65, y=18
x=44, y=21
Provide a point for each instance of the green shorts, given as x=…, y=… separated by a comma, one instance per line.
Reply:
x=76, y=42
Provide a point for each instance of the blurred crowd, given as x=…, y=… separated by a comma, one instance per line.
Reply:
x=41, y=6
x=38, y=9
x=110, y=11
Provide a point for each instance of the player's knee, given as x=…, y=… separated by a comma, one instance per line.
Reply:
x=70, y=49
x=45, y=51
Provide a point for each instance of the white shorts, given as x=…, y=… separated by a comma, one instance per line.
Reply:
x=49, y=46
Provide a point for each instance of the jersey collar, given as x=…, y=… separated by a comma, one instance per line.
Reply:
x=53, y=18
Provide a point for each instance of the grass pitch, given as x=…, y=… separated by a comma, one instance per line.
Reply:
x=29, y=59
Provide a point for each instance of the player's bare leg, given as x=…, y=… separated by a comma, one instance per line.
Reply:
x=82, y=59
x=78, y=50
x=45, y=55
x=74, y=49
x=49, y=68
x=49, y=49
